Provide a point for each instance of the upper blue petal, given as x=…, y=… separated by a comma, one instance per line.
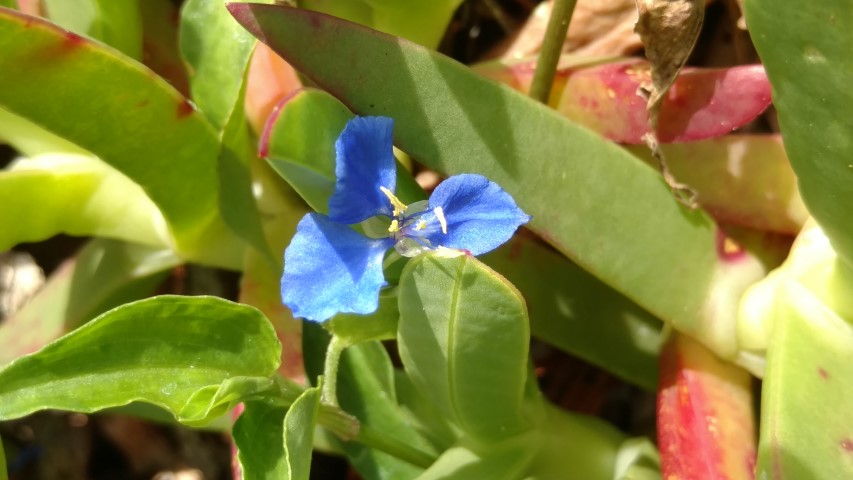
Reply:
x=330, y=268
x=480, y=215
x=364, y=162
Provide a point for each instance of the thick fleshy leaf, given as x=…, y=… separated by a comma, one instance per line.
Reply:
x=803, y=47
x=421, y=22
x=805, y=405
x=478, y=215
x=77, y=195
x=330, y=268
x=561, y=298
x=118, y=23
x=702, y=103
x=161, y=351
x=627, y=230
x=103, y=275
x=139, y=125
x=706, y=427
x=463, y=338
x=258, y=434
x=364, y=162
x=743, y=180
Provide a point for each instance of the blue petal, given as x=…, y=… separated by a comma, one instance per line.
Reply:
x=330, y=268
x=480, y=215
x=365, y=162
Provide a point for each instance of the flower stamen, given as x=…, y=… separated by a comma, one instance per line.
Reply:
x=439, y=214
x=399, y=207
x=394, y=227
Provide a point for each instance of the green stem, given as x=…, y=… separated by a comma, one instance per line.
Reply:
x=330, y=370
x=393, y=447
x=552, y=46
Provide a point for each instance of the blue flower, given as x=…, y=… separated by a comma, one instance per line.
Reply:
x=331, y=268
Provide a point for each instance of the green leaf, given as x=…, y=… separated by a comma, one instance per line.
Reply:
x=258, y=434
x=463, y=339
x=118, y=23
x=3, y=469
x=576, y=312
x=420, y=22
x=77, y=195
x=161, y=351
x=803, y=48
x=299, y=143
x=593, y=201
x=806, y=391
x=215, y=400
x=136, y=123
x=508, y=460
x=299, y=424
x=366, y=390
x=217, y=51
x=103, y=275
x=380, y=325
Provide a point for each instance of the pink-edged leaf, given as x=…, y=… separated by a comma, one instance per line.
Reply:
x=743, y=180
x=701, y=104
x=706, y=427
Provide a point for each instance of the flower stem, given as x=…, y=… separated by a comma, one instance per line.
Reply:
x=393, y=447
x=552, y=46
x=330, y=370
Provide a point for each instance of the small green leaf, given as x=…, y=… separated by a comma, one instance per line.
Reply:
x=299, y=424
x=299, y=143
x=258, y=435
x=508, y=460
x=118, y=23
x=215, y=400
x=111, y=273
x=379, y=325
x=803, y=46
x=463, y=338
x=161, y=351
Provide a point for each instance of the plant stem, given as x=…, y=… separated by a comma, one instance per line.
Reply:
x=552, y=46
x=330, y=370
x=393, y=447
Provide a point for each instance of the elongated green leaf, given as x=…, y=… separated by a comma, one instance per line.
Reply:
x=258, y=434
x=118, y=23
x=421, y=22
x=572, y=310
x=806, y=392
x=216, y=400
x=136, y=123
x=594, y=202
x=299, y=424
x=161, y=351
x=78, y=195
x=463, y=337
x=103, y=275
x=803, y=48
x=217, y=51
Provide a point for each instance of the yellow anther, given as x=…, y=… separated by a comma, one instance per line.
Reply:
x=395, y=226
x=420, y=225
x=439, y=214
x=399, y=207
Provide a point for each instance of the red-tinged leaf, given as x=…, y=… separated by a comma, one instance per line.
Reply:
x=706, y=427
x=743, y=180
x=270, y=80
x=701, y=104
